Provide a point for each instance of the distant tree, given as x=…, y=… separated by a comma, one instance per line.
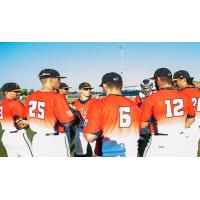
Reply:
x=24, y=92
x=31, y=91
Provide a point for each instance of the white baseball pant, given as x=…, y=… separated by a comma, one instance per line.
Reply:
x=81, y=143
x=162, y=146
x=50, y=146
x=17, y=144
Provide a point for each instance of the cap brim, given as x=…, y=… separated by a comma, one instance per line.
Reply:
x=17, y=90
x=61, y=77
x=152, y=78
x=101, y=85
x=87, y=88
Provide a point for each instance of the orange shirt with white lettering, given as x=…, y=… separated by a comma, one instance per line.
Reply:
x=8, y=109
x=194, y=95
x=45, y=109
x=83, y=107
x=170, y=109
x=118, y=118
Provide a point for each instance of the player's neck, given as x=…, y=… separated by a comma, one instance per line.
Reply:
x=165, y=86
x=47, y=88
x=83, y=98
x=113, y=92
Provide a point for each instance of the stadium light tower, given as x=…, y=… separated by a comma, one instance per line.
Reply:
x=121, y=48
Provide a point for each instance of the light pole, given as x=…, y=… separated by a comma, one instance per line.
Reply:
x=122, y=58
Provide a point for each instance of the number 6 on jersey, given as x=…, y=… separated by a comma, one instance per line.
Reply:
x=124, y=117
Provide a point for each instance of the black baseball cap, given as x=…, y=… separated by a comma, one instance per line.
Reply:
x=182, y=74
x=63, y=85
x=85, y=85
x=162, y=72
x=111, y=77
x=11, y=87
x=49, y=73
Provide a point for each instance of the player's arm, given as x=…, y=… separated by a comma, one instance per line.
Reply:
x=146, y=114
x=63, y=112
x=18, y=113
x=190, y=115
x=93, y=128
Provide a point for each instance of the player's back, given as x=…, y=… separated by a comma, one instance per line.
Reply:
x=8, y=109
x=170, y=108
x=120, y=121
x=44, y=109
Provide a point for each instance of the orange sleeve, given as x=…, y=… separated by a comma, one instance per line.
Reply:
x=137, y=100
x=190, y=107
x=62, y=110
x=94, y=118
x=146, y=109
x=18, y=109
x=137, y=118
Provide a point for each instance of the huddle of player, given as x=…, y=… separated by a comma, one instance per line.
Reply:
x=161, y=123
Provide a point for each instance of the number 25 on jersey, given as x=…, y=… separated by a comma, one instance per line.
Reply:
x=36, y=109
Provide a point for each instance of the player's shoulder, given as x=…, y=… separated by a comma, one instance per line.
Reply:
x=17, y=103
x=191, y=91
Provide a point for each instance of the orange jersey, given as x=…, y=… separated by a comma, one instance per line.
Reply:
x=83, y=107
x=8, y=109
x=118, y=118
x=169, y=108
x=45, y=109
x=194, y=95
x=138, y=100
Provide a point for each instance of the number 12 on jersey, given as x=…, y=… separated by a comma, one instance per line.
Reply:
x=125, y=120
x=176, y=111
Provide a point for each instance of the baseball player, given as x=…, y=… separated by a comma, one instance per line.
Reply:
x=146, y=90
x=82, y=105
x=45, y=110
x=64, y=90
x=13, y=122
x=113, y=121
x=184, y=83
x=173, y=112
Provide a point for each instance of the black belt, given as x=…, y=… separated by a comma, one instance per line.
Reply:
x=51, y=134
x=161, y=134
x=13, y=131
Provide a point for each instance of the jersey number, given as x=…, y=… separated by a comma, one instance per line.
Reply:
x=36, y=106
x=177, y=109
x=196, y=103
x=124, y=117
x=1, y=112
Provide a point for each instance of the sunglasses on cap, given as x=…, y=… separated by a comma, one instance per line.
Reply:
x=16, y=91
x=87, y=89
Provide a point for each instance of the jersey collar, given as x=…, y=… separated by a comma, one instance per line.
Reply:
x=84, y=102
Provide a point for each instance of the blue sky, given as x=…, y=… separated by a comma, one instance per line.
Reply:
x=21, y=62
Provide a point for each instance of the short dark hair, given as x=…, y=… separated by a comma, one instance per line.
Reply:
x=190, y=81
x=114, y=85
